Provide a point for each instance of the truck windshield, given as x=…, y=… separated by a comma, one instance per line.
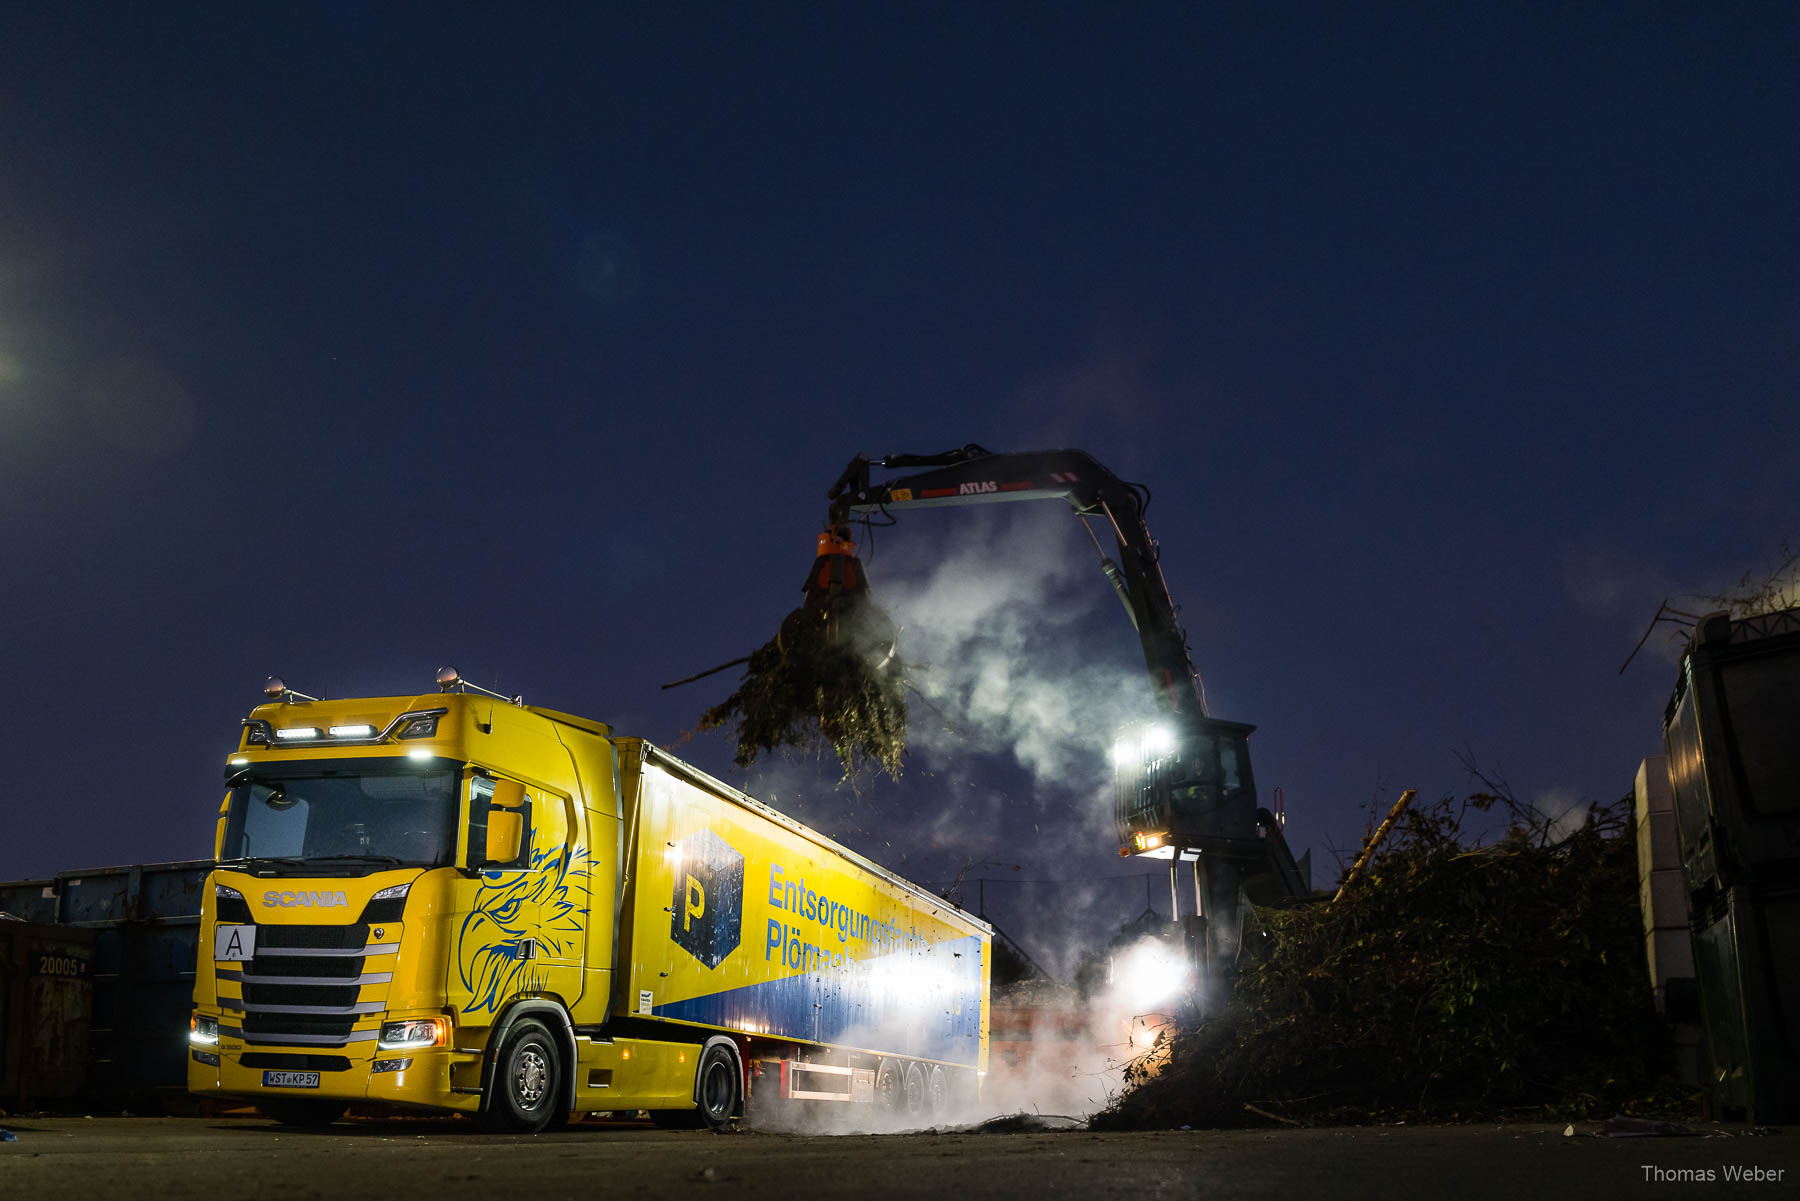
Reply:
x=344, y=819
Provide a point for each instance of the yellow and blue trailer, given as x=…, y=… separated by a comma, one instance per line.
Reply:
x=454, y=902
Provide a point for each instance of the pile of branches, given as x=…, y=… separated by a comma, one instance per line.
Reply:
x=1449, y=981
x=831, y=677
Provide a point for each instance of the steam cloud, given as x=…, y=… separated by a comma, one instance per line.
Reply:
x=1001, y=624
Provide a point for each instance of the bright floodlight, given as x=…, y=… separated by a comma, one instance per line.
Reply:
x=1152, y=972
x=1158, y=741
x=1124, y=753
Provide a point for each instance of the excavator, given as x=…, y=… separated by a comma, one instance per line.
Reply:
x=1183, y=788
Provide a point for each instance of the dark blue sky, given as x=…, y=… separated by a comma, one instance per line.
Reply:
x=347, y=340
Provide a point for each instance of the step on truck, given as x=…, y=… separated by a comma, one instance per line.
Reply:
x=458, y=902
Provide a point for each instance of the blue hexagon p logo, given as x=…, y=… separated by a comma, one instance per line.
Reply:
x=708, y=913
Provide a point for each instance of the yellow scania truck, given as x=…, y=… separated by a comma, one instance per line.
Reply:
x=459, y=902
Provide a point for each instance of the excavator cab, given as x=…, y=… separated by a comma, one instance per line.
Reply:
x=1184, y=784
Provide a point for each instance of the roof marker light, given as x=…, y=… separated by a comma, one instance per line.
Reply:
x=418, y=753
x=239, y=760
x=359, y=731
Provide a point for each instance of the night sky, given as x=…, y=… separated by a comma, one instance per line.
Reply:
x=344, y=341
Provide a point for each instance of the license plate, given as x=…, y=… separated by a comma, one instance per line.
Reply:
x=290, y=1080
x=234, y=944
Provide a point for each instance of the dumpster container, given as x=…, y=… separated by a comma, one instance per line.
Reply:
x=46, y=992
x=145, y=919
x=1734, y=766
x=29, y=900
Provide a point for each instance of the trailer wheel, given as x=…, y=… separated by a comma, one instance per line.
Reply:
x=303, y=1112
x=888, y=1086
x=527, y=1082
x=720, y=1086
x=914, y=1102
x=937, y=1092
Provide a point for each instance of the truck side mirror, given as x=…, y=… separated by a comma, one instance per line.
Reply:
x=505, y=832
x=505, y=822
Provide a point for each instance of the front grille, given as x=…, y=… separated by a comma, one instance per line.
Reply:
x=321, y=967
x=292, y=1062
x=336, y=938
x=308, y=968
x=271, y=1027
x=335, y=996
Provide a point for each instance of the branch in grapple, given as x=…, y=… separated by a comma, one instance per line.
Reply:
x=831, y=675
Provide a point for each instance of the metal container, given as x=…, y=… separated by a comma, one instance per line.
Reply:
x=145, y=919
x=29, y=900
x=46, y=993
x=1734, y=765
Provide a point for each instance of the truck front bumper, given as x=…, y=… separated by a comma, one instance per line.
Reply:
x=359, y=1073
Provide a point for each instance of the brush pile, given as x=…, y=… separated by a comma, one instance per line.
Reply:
x=1450, y=981
x=831, y=677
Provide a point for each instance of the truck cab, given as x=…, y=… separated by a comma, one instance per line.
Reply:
x=392, y=872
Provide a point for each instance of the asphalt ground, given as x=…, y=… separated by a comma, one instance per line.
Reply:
x=247, y=1159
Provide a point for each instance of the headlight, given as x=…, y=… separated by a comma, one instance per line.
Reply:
x=224, y=892
x=391, y=892
x=203, y=1031
x=413, y=1032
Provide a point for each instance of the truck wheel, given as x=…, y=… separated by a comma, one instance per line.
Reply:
x=937, y=1092
x=914, y=1096
x=720, y=1086
x=888, y=1084
x=304, y=1112
x=527, y=1082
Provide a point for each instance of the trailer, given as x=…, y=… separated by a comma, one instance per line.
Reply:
x=462, y=903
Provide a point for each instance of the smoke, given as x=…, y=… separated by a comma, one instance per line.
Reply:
x=1054, y=1053
x=999, y=622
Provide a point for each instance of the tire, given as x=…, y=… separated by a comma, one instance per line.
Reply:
x=912, y=1102
x=527, y=1085
x=937, y=1093
x=304, y=1111
x=889, y=1088
x=718, y=1087
x=719, y=1094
